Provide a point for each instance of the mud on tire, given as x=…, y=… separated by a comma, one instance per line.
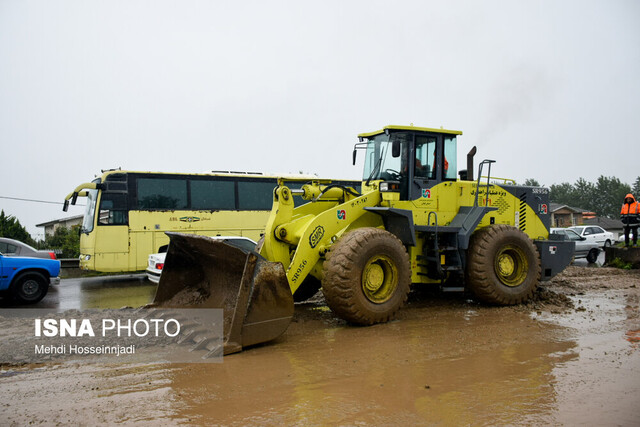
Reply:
x=366, y=276
x=503, y=266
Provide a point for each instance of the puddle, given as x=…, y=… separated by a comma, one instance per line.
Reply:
x=448, y=366
x=101, y=292
x=602, y=384
x=446, y=361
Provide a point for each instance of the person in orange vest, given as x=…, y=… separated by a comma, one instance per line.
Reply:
x=629, y=216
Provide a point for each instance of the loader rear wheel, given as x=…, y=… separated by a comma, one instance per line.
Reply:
x=503, y=266
x=367, y=275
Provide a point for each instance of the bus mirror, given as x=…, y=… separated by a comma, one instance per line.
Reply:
x=395, y=148
x=74, y=198
x=65, y=207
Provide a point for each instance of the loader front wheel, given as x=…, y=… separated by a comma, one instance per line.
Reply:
x=367, y=275
x=503, y=266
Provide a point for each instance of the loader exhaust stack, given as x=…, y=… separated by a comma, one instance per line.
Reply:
x=253, y=293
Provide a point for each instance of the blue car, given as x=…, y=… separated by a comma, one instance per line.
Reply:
x=27, y=280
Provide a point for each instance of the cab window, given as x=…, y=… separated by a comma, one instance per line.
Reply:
x=425, y=157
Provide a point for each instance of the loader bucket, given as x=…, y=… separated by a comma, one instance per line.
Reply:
x=254, y=294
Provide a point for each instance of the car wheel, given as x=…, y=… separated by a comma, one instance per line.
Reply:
x=592, y=256
x=29, y=288
x=607, y=244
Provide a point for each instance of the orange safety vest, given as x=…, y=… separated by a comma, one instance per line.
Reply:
x=630, y=208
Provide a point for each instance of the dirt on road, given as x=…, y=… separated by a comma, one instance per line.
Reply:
x=569, y=356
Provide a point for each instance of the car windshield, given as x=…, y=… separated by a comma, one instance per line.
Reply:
x=242, y=244
x=572, y=235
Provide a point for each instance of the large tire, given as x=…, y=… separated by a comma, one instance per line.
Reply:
x=592, y=256
x=503, y=266
x=367, y=276
x=29, y=288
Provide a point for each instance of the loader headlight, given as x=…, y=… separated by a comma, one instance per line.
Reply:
x=389, y=186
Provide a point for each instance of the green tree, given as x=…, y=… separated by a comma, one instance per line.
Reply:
x=532, y=182
x=563, y=194
x=584, y=195
x=610, y=192
x=636, y=188
x=10, y=227
x=65, y=239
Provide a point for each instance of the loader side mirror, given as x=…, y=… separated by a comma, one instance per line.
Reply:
x=354, y=156
x=395, y=149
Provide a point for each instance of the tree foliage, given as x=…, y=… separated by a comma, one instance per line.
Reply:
x=636, y=188
x=65, y=239
x=532, y=182
x=604, y=197
x=11, y=228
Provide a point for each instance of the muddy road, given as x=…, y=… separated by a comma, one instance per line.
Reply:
x=569, y=357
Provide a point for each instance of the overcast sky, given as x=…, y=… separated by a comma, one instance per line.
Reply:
x=548, y=89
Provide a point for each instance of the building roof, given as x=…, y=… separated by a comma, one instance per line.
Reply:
x=58, y=221
x=606, y=223
x=554, y=207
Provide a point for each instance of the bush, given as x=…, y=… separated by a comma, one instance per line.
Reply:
x=618, y=263
x=65, y=239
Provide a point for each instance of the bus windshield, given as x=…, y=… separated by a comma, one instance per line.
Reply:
x=89, y=211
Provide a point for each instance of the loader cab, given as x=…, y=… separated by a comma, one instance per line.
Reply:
x=408, y=159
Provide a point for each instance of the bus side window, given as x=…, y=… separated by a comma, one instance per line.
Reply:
x=218, y=195
x=255, y=195
x=113, y=209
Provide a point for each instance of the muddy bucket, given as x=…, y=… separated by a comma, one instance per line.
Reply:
x=200, y=272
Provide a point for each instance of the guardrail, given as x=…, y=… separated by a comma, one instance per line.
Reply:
x=69, y=262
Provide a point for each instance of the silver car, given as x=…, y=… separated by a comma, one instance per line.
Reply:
x=11, y=247
x=594, y=233
x=156, y=261
x=585, y=248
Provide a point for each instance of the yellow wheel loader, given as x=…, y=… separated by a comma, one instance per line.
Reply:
x=416, y=221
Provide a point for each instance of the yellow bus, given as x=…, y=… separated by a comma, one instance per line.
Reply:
x=127, y=213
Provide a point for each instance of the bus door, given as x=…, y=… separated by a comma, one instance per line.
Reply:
x=112, y=233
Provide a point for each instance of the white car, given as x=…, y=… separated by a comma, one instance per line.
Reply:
x=584, y=248
x=596, y=234
x=156, y=261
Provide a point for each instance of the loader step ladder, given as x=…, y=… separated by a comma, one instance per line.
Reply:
x=445, y=247
x=441, y=255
